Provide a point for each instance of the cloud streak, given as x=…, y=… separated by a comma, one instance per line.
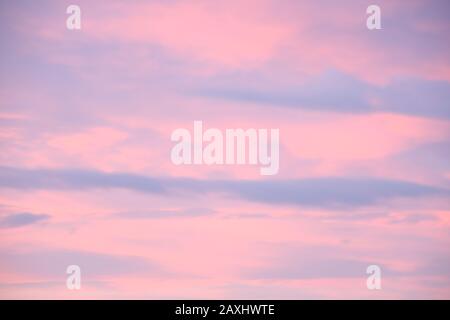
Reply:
x=322, y=192
x=337, y=91
x=16, y=220
x=53, y=262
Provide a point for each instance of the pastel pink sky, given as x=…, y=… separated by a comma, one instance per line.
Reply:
x=86, y=176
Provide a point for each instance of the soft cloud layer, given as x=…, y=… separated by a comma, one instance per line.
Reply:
x=338, y=92
x=21, y=219
x=85, y=171
x=325, y=192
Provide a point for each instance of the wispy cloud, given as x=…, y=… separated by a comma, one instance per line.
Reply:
x=322, y=192
x=53, y=263
x=160, y=214
x=76, y=179
x=340, y=92
x=16, y=220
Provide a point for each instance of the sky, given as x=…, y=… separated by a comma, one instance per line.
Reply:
x=86, y=176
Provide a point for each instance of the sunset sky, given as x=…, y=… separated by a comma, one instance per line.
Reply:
x=86, y=177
